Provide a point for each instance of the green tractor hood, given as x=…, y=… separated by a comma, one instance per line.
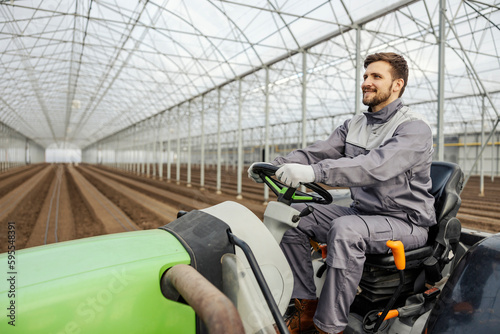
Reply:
x=102, y=284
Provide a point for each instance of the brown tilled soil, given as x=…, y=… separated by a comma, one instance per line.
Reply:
x=16, y=178
x=477, y=212
x=26, y=214
x=144, y=219
x=481, y=212
x=86, y=223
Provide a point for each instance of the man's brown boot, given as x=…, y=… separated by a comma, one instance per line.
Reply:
x=302, y=320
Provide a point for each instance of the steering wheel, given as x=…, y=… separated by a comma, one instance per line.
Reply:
x=289, y=195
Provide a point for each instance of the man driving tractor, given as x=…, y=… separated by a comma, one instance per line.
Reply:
x=384, y=156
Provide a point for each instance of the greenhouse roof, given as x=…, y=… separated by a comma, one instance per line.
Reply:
x=76, y=72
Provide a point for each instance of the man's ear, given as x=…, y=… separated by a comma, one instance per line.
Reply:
x=397, y=85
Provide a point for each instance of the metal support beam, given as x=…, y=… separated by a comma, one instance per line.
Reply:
x=202, y=158
x=148, y=145
x=483, y=144
x=160, y=148
x=493, y=158
x=465, y=145
x=169, y=148
x=143, y=149
x=357, y=88
x=304, y=99
x=481, y=151
x=440, y=113
x=189, y=146
x=153, y=154
x=136, y=159
x=219, y=146
x=304, y=103
x=240, y=144
x=178, y=162
x=266, y=133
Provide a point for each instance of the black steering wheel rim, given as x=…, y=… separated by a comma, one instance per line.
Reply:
x=288, y=194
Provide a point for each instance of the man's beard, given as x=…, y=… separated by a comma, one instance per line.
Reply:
x=379, y=98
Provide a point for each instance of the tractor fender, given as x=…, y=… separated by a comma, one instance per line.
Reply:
x=470, y=300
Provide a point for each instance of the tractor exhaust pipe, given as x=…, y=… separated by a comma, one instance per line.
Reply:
x=216, y=311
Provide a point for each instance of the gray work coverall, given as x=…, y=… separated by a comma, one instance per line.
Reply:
x=385, y=159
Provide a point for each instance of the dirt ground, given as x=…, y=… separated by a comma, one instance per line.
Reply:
x=143, y=218
x=86, y=223
x=476, y=212
x=77, y=220
x=26, y=213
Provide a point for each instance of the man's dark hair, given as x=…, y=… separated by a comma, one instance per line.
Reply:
x=397, y=62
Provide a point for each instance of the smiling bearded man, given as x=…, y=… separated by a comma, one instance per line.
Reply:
x=384, y=156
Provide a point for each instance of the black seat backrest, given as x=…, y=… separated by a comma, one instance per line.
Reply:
x=447, y=182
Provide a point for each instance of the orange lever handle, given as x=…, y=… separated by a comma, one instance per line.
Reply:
x=391, y=314
x=398, y=251
x=324, y=251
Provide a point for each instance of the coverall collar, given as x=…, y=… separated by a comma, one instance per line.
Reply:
x=384, y=114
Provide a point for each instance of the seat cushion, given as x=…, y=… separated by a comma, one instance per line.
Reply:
x=414, y=258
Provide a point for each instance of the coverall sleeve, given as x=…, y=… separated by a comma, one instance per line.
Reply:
x=331, y=148
x=410, y=146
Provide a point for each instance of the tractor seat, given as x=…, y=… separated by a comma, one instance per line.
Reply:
x=380, y=277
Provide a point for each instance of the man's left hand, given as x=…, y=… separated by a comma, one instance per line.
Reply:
x=294, y=174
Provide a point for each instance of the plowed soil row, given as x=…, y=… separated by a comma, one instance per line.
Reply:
x=149, y=203
x=34, y=225
x=251, y=190
x=476, y=212
x=138, y=212
x=85, y=222
x=26, y=213
x=55, y=220
x=183, y=197
x=13, y=171
x=49, y=204
x=481, y=212
x=11, y=181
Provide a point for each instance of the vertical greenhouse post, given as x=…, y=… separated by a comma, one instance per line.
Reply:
x=442, y=50
x=189, y=145
x=219, y=152
x=481, y=163
x=178, y=161
x=169, y=147
x=240, y=143
x=357, y=89
x=160, y=148
x=202, y=158
x=266, y=132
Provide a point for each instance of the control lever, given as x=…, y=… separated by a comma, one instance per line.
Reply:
x=375, y=316
x=306, y=211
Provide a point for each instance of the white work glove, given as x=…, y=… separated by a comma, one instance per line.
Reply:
x=254, y=176
x=294, y=174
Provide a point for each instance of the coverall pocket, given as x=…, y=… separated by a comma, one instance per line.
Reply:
x=381, y=230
